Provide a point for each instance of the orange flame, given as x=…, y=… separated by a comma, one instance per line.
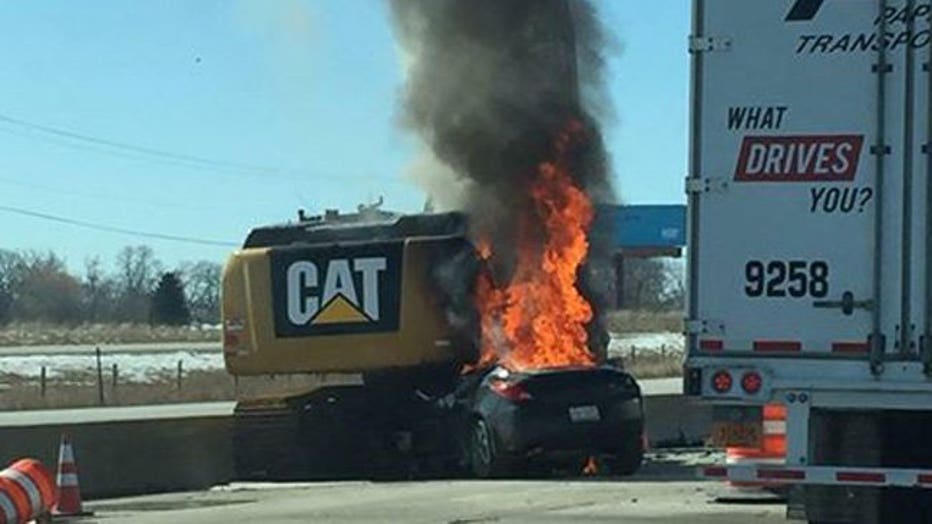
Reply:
x=591, y=467
x=539, y=319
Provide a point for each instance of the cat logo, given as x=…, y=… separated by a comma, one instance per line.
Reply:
x=336, y=290
x=339, y=301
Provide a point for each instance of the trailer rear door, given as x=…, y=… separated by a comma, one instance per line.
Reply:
x=802, y=135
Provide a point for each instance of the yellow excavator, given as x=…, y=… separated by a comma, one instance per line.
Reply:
x=388, y=298
x=383, y=296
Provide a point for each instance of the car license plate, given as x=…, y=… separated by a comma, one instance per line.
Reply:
x=584, y=414
x=736, y=434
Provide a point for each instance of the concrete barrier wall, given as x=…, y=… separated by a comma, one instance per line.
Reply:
x=132, y=457
x=146, y=456
x=675, y=420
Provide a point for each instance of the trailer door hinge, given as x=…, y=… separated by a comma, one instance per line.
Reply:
x=706, y=185
x=704, y=327
x=704, y=44
x=880, y=149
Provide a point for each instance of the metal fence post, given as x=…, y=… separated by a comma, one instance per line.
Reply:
x=42, y=381
x=100, y=377
x=180, y=371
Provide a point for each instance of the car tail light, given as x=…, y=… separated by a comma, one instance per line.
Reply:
x=751, y=382
x=230, y=342
x=511, y=390
x=232, y=327
x=721, y=381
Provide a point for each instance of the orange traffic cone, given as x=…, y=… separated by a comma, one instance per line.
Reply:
x=68, y=501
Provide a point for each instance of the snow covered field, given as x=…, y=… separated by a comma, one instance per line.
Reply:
x=141, y=366
x=623, y=343
x=132, y=367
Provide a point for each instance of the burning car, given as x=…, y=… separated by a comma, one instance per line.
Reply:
x=480, y=327
x=516, y=421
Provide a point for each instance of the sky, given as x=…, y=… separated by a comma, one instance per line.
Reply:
x=203, y=119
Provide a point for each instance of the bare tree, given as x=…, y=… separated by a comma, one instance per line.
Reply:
x=202, y=287
x=99, y=292
x=38, y=287
x=644, y=282
x=9, y=263
x=137, y=274
x=44, y=290
x=675, y=295
x=652, y=283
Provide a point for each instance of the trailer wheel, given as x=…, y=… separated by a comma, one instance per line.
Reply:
x=483, y=457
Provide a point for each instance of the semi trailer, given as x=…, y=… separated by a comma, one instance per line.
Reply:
x=810, y=193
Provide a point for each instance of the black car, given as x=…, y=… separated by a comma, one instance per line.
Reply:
x=511, y=421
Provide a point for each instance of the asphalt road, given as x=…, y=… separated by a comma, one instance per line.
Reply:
x=665, y=492
x=451, y=502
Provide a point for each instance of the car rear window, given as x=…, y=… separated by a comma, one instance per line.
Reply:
x=551, y=382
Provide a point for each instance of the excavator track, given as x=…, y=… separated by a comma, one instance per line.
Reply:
x=266, y=443
x=323, y=434
x=340, y=432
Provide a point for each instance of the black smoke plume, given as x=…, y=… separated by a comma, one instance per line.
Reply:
x=490, y=84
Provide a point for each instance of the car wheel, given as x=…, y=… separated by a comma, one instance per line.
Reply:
x=484, y=459
x=628, y=462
